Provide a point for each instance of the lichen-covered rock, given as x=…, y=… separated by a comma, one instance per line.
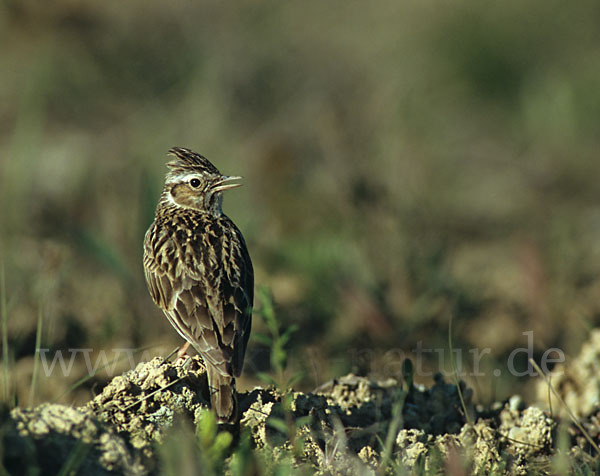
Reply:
x=436, y=410
x=475, y=443
x=413, y=445
x=51, y=436
x=577, y=382
x=369, y=456
x=481, y=446
x=522, y=434
x=351, y=425
x=143, y=401
x=528, y=432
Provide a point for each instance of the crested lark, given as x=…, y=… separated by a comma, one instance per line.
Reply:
x=199, y=272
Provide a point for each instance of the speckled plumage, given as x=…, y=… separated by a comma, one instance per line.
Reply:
x=199, y=272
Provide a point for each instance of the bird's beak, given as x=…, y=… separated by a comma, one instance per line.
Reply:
x=224, y=184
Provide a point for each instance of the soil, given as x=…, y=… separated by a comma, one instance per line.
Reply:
x=351, y=425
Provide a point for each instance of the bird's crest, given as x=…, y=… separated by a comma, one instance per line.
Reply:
x=187, y=160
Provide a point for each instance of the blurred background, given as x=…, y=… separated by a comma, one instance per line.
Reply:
x=405, y=163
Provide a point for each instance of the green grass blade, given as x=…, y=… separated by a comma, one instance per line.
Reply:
x=574, y=419
x=455, y=373
x=392, y=433
x=36, y=358
x=4, y=330
x=76, y=459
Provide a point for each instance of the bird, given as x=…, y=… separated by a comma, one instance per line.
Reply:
x=199, y=272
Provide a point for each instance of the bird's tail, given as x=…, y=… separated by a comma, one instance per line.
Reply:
x=223, y=397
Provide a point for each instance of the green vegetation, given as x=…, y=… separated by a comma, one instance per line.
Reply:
x=4, y=320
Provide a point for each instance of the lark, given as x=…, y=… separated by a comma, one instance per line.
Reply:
x=199, y=272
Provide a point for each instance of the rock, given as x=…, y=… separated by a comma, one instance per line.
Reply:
x=351, y=425
x=51, y=436
x=577, y=382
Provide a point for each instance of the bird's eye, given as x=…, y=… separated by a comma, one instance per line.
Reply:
x=195, y=183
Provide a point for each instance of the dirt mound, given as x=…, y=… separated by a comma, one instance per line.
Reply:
x=349, y=425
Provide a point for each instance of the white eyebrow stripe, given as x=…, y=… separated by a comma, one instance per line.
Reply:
x=185, y=178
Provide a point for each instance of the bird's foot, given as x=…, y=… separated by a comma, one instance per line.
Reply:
x=182, y=356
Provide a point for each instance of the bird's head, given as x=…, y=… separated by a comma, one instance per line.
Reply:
x=194, y=182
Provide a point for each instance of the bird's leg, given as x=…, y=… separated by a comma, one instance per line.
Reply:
x=182, y=353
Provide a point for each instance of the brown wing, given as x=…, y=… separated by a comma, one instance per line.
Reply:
x=198, y=280
x=238, y=293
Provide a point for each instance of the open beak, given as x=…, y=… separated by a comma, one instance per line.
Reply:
x=224, y=184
